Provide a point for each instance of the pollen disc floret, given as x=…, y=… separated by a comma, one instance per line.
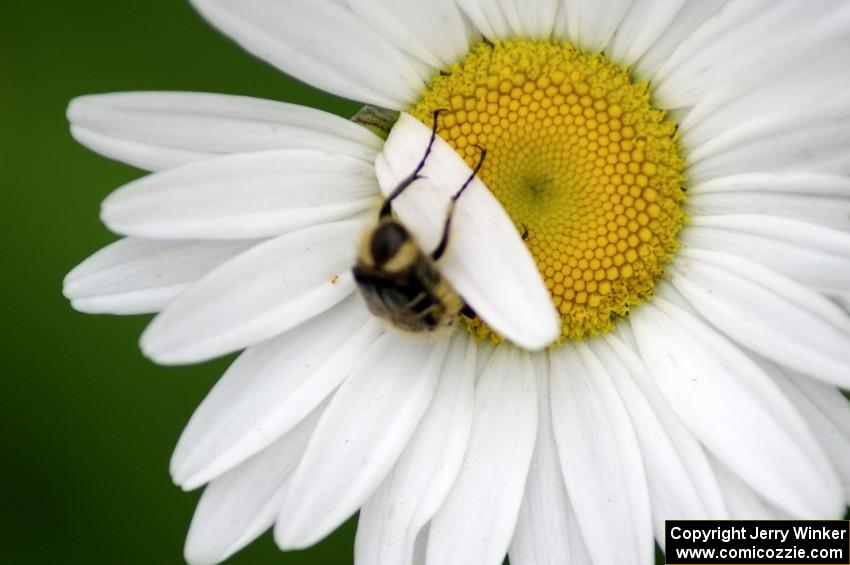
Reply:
x=580, y=160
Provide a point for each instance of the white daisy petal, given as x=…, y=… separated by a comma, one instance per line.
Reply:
x=485, y=352
x=141, y=155
x=724, y=23
x=798, y=81
x=262, y=293
x=624, y=333
x=827, y=412
x=560, y=27
x=477, y=520
x=813, y=184
x=239, y=506
x=360, y=436
x=592, y=24
x=536, y=17
x=673, y=493
x=139, y=276
x=421, y=546
x=486, y=260
x=600, y=459
x=269, y=389
x=833, y=426
x=820, y=148
x=379, y=534
x=842, y=300
x=767, y=312
x=744, y=503
x=511, y=9
x=693, y=15
x=719, y=392
x=410, y=496
x=160, y=130
x=726, y=119
x=813, y=255
x=322, y=43
x=642, y=25
x=434, y=32
x=827, y=211
x=243, y=196
x=721, y=51
x=488, y=17
x=831, y=402
x=547, y=531
x=570, y=19
x=689, y=451
x=748, y=89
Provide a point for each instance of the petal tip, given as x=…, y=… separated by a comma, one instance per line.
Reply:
x=285, y=540
x=197, y=551
x=71, y=283
x=537, y=341
x=156, y=348
x=541, y=328
x=76, y=107
x=180, y=470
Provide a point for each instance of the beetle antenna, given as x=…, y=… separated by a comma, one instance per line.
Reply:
x=444, y=240
x=386, y=207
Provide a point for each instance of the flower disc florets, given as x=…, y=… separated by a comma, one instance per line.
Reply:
x=581, y=161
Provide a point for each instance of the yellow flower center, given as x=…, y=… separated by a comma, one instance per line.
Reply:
x=579, y=159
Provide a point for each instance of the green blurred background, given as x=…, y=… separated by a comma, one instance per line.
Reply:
x=87, y=423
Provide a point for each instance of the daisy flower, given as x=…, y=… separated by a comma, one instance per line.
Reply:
x=698, y=345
